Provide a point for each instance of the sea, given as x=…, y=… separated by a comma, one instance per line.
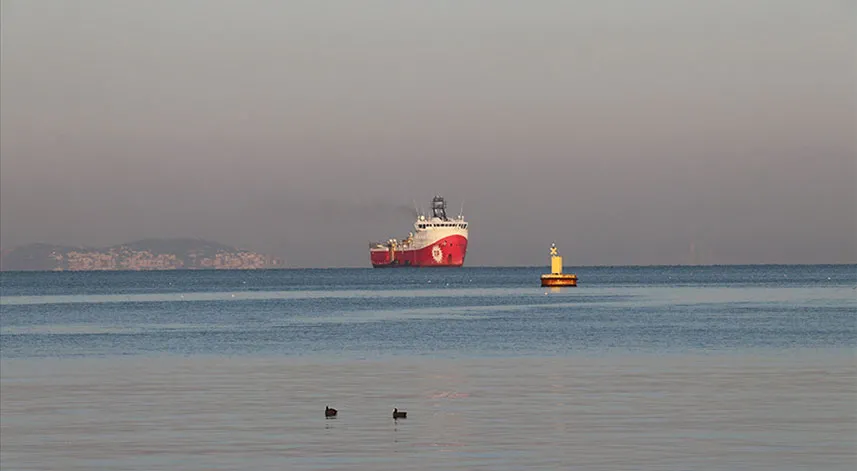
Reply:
x=643, y=368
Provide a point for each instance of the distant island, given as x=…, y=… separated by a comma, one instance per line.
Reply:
x=147, y=254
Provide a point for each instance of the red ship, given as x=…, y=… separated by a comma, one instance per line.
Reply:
x=437, y=241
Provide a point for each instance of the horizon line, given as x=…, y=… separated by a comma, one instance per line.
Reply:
x=439, y=269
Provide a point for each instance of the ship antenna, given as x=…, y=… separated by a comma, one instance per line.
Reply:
x=416, y=209
x=461, y=213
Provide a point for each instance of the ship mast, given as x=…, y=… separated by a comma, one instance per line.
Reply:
x=438, y=208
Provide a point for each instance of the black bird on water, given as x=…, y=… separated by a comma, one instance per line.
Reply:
x=329, y=412
x=399, y=415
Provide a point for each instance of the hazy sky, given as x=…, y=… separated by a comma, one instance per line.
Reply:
x=629, y=132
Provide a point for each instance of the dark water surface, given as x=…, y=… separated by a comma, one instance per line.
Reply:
x=734, y=367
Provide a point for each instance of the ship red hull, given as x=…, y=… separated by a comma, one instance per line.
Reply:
x=446, y=252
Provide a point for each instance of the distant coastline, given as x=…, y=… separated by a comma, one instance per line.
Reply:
x=147, y=254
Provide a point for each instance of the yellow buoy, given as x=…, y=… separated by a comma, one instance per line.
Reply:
x=556, y=276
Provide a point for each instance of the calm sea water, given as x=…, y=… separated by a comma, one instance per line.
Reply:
x=734, y=367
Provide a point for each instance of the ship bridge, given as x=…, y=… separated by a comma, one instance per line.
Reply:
x=459, y=224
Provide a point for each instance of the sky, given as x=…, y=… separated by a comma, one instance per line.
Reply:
x=628, y=132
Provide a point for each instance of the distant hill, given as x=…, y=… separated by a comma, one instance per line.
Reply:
x=147, y=254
